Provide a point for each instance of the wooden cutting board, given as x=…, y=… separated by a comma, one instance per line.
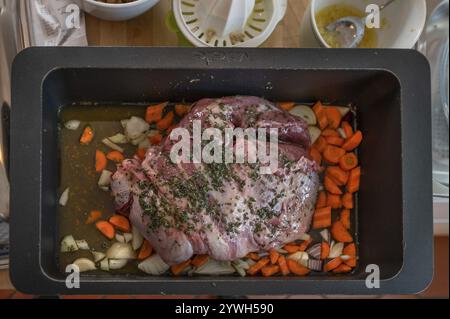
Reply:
x=150, y=29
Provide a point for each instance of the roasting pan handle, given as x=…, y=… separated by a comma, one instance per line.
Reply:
x=4, y=146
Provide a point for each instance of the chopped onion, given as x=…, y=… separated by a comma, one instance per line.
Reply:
x=105, y=178
x=301, y=257
x=123, y=123
x=135, y=127
x=120, y=251
x=342, y=133
x=281, y=250
x=240, y=263
x=84, y=264
x=72, y=125
x=120, y=238
x=314, y=133
x=128, y=237
x=250, y=262
x=315, y=264
x=138, y=139
x=137, y=240
x=145, y=143
x=305, y=112
x=214, y=267
x=325, y=235
x=82, y=244
x=346, y=257
x=104, y=264
x=64, y=197
x=117, y=263
x=336, y=250
x=315, y=251
x=153, y=265
x=113, y=146
x=119, y=138
x=68, y=244
x=98, y=256
x=305, y=236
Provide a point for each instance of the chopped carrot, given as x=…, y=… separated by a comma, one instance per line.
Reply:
x=321, y=200
x=321, y=115
x=171, y=128
x=296, y=268
x=348, y=130
x=270, y=270
x=328, y=132
x=121, y=223
x=273, y=255
x=353, y=180
x=338, y=175
x=287, y=106
x=253, y=256
x=325, y=250
x=344, y=217
x=141, y=153
x=320, y=144
x=178, y=269
x=304, y=245
x=332, y=154
x=340, y=233
x=283, y=266
x=334, y=117
x=154, y=113
x=165, y=122
x=353, y=142
x=115, y=156
x=350, y=250
x=254, y=269
x=87, y=136
x=94, y=215
x=106, y=229
x=100, y=161
x=334, y=201
x=315, y=155
x=182, y=109
x=291, y=248
x=334, y=140
x=331, y=186
x=348, y=162
x=342, y=268
x=145, y=251
x=332, y=264
x=347, y=200
x=155, y=139
x=322, y=218
x=351, y=262
x=200, y=260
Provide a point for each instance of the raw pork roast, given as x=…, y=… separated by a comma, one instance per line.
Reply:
x=223, y=210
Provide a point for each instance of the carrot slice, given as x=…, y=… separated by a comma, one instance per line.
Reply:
x=334, y=201
x=154, y=113
x=348, y=162
x=340, y=233
x=321, y=115
x=253, y=256
x=331, y=186
x=342, y=268
x=322, y=218
x=321, y=200
x=353, y=180
x=338, y=175
x=287, y=106
x=115, y=156
x=94, y=215
x=315, y=155
x=121, y=223
x=325, y=250
x=182, y=109
x=87, y=136
x=332, y=264
x=347, y=200
x=106, y=229
x=350, y=250
x=291, y=248
x=145, y=251
x=254, y=269
x=270, y=270
x=332, y=154
x=353, y=142
x=177, y=269
x=304, y=245
x=283, y=266
x=334, y=140
x=328, y=132
x=100, y=161
x=141, y=153
x=345, y=218
x=155, y=139
x=334, y=117
x=348, y=130
x=166, y=121
x=200, y=260
x=320, y=144
x=273, y=255
x=296, y=268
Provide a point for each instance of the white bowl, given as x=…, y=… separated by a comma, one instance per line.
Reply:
x=404, y=22
x=116, y=12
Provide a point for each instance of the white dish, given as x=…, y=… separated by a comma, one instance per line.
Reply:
x=114, y=11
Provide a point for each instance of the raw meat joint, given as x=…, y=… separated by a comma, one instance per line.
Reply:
x=223, y=210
